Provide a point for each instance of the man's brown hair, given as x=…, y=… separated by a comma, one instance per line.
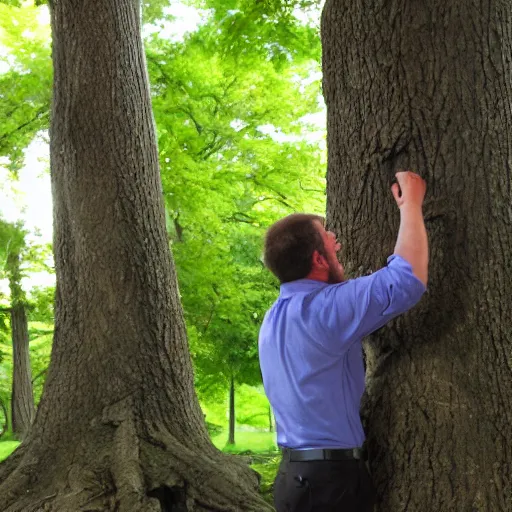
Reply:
x=290, y=244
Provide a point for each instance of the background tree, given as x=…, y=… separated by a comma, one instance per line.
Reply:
x=39, y=310
x=426, y=86
x=5, y=377
x=12, y=242
x=119, y=426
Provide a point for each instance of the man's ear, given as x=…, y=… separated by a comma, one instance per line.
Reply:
x=319, y=262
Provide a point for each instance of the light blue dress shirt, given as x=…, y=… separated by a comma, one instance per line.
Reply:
x=311, y=354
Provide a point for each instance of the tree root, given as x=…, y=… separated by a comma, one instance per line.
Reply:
x=130, y=469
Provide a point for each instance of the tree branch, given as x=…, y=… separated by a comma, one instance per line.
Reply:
x=24, y=125
x=40, y=374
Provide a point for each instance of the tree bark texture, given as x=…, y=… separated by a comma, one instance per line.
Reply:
x=22, y=400
x=232, y=420
x=426, y=86
x=119, y=426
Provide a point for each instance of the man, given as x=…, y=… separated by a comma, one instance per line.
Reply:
x=311, y=355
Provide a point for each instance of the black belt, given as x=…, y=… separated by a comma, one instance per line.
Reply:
x=319, y=454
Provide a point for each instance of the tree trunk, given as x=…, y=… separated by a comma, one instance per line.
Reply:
x=5, y=426
x=231, y=437
x=119, y=426
x=270, y=422
x=22, y=401
x=426, y=86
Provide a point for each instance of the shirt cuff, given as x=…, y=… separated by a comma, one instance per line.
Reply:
x=399, y=263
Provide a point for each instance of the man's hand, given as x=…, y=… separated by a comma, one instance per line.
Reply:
x=411, y=243
x=410, y=189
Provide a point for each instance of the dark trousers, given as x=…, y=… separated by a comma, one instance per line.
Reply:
x=324, y=486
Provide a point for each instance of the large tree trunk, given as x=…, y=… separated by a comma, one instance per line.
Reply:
x=426, y=86
x=119, y=426
x=22, y=401
x=232, y=421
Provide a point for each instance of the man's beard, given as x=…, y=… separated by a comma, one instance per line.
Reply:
x=335, y=273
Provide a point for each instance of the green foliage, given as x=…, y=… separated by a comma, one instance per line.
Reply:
x=267, y=468
x=5, y=377
x=251, y=409
x=25, y=73
x=41, y=304
x=234, y=159
x=12, y=240
x=12, y=245
x=19, y=3
x=18, y=257
x=153, y=10
x=41, y=336
x=229, y=103
x=264, y=28
x=6, y=448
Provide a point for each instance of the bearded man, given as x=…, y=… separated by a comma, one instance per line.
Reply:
x=311, y=352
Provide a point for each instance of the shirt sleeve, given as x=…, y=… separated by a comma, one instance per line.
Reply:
x=351, y=310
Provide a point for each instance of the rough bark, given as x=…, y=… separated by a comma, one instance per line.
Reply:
x=22, y=401
x=426, y=85
x=119, y=426
x=231, y=437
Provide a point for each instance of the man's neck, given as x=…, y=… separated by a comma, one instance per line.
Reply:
x=318, y=275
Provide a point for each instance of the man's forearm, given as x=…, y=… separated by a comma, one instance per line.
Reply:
x=412, y=243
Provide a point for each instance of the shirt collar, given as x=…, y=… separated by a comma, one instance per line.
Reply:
x=300, y=286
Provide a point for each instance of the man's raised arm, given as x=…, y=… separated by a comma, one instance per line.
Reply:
x=412, y=243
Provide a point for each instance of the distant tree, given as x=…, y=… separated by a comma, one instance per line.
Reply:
x=5, y=376
x=12, y=241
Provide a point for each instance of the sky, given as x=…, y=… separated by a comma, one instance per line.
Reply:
x=29, y=198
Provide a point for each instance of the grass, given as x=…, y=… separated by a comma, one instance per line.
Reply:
x=255, y=442
x=262, y=450
x=6, y=448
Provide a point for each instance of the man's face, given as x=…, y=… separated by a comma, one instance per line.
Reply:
x=331, y=247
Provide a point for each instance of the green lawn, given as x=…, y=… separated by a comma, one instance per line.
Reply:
x=6, y=448
x=255, y=442
x=261, y=448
